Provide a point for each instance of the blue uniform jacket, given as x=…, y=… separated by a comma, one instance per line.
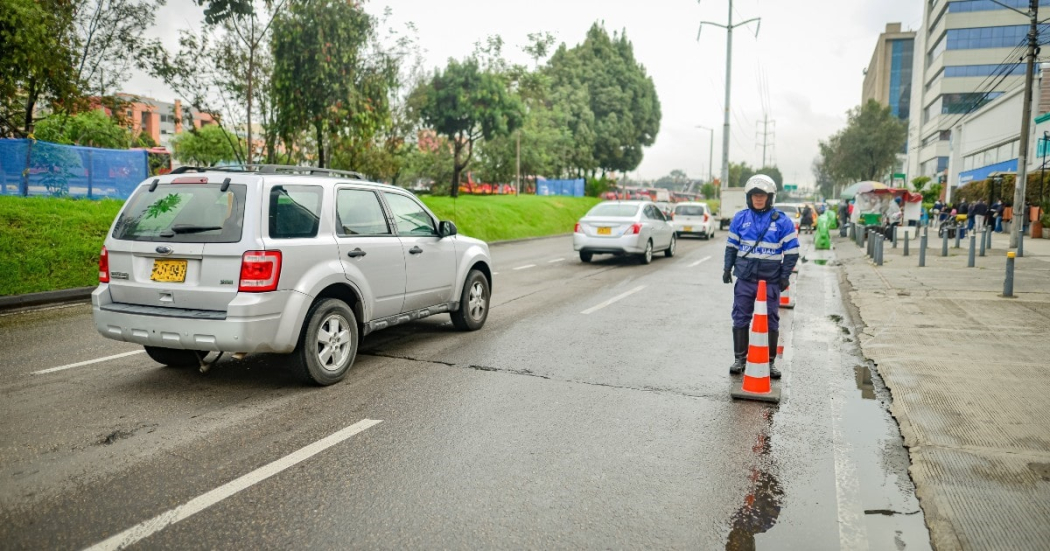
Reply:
x=771, y=260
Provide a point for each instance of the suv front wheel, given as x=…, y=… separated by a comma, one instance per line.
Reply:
x=473, y=304
x=328, y=343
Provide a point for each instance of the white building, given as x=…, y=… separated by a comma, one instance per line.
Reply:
x=966, y=55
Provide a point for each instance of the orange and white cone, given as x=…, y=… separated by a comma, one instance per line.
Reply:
x=780, y=345
x=787, y=300
x=757, y=384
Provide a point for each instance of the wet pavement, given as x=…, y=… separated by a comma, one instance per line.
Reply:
x=574, y=419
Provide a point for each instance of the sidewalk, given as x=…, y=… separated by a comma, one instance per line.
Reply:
x=968, y=372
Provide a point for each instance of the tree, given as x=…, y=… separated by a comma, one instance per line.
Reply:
x=708, y=191
x=620, y=96
x=36, y=38
x=466, y=104
x=867, y=148
x=91, y=128
x=109, y=37
x=825, y=185
x=774, y=173
x=324, y=77
x=739, y=174
x=208, y=146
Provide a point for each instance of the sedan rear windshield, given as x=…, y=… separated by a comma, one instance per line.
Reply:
x=183, y=213
x=613, y=209
x=689, y=210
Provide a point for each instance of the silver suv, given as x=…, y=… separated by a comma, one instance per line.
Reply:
x=280, y=259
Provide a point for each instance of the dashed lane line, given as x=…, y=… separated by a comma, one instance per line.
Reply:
x=698, y=262
x=555, y=260
x=145, y=529
x=88, y=362
x=612, y=300
x=525, y=267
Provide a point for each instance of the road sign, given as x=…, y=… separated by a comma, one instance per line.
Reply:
x=790, y=187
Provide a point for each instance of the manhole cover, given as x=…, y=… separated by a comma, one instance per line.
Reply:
x=1041, y=469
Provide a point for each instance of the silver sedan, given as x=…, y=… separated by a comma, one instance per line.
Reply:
x=624, y=227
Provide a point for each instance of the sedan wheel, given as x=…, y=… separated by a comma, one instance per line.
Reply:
x=647, y=256
x=671, y=248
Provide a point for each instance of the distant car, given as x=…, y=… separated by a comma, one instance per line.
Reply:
x=694, y=219
x=794, y=210
x=622, y=228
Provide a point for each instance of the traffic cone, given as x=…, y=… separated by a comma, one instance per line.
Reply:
x=780, y=345
x=786, y=298
x=757, y=384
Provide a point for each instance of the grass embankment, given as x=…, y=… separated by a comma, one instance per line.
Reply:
x=47, y=244
x=501, y=217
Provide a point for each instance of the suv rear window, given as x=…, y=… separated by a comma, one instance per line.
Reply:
x=183, y=213
x=690, y=210
x=295, y=211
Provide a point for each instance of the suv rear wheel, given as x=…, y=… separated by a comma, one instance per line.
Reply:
x=473, y=304
x=173, y=357
x=328, y=343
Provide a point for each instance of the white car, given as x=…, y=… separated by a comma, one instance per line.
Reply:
x=624, y=227
x=694, y=219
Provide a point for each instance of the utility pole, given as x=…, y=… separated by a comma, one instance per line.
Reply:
x=729, y=26
x=710, y=154
x=765, y=137
x=1026, y=118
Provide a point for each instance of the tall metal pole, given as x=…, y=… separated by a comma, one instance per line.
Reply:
x=1026, y=118
x=710, y=154
x=729, y=26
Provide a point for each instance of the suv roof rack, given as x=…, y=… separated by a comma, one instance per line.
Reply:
x=309, y=170
x=185, y=169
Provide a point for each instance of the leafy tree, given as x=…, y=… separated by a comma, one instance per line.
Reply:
x=867, y=148
x=739, y=174
x=36, y=39
x=774, y=173
x=825, y=185
x=618, y=93
x=324, y=78
x=91, y=128
x=466, y=104
x=208, y=146
x=708, y=191
x=110, y=39
x=220, y=10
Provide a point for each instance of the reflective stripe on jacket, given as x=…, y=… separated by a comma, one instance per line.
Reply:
x=773, y=258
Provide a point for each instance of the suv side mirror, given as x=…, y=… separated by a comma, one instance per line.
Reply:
x=447, y=228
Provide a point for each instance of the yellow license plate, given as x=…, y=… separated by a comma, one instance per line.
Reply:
x=688, y=228
x=169, y=271
x=604, y=231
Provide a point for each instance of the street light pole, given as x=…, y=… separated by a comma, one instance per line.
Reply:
x=729, y=26
x=710, y=154
x=1026, y=118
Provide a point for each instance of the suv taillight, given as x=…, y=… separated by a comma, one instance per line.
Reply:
x=260, y=271
x=705, y=217
x=635, y=228
x=103, y=266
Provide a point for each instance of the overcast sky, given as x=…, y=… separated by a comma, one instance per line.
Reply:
x=804, y=70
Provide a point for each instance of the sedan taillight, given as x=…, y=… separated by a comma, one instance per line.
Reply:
x=103, y=266
x=634, y=229
x=577, y=228
x=260, y=271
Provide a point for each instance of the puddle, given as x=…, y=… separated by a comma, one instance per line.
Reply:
x=761, y=506
x=864, y=383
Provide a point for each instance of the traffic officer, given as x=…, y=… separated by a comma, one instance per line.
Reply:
x=762, y=246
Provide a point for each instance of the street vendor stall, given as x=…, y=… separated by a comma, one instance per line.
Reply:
x=877, y=206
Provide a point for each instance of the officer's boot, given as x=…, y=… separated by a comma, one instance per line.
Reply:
x=740, y=342
x=774, y=341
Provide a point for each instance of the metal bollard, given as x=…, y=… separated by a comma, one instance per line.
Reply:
x=990, y=234
x=893, y=238
x=880, y=249
x=869, y=242
x=970, y=263
x=906, y=241
x=958, y=236
x=1020, y=245
x=944, y=245
x=922, y=251
x=1008, y=284
x=984, y=239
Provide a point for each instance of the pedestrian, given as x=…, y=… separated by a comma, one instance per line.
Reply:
x=979, y=212
x=762, y=246
x=1008, y=216
x=843, y=218
x=996, y=211
x=807, y=221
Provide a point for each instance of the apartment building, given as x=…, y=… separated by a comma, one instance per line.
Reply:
x=967, y=54
x=162, y=120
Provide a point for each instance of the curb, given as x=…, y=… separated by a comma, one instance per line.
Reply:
x=16, y=302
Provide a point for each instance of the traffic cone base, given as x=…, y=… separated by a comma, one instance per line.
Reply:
x=780, y=346
x=757, y=384
x=787, y=300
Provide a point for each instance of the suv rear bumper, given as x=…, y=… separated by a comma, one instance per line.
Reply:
x=253, y=322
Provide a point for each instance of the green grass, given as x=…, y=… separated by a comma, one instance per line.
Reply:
x=502, y=217
x=48, y=244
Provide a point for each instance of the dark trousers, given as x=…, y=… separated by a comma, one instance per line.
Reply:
x=744, y=293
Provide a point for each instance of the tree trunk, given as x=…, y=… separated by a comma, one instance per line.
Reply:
x=320, y=143
x=30, y=104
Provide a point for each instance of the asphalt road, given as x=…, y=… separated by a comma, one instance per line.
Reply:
x=592, y=411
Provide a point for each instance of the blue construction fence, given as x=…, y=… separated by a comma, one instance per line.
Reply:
x=35, y=168
x=572, y=188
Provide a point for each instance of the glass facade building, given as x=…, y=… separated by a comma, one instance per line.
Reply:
x=901, y=54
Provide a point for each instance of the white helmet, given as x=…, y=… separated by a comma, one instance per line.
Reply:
x=760, y=183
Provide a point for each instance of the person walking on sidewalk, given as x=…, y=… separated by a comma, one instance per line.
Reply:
x=843, y=218
x=979, y=210
x=996, y=211
x=762, y=246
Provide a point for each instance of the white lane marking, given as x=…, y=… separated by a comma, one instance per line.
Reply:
x=614, y=299
x=495, y=273
x=145, y=529
x=698, y=262
x=88, y=362
x=555, y=260
x=525, y=267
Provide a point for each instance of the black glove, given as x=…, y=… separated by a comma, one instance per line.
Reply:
x=727, y=276
x=784, y=284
